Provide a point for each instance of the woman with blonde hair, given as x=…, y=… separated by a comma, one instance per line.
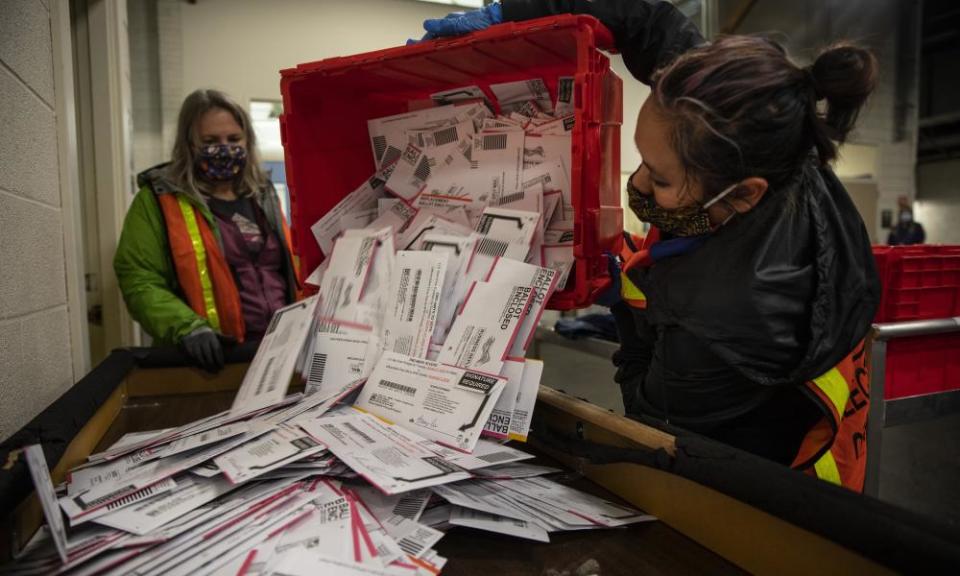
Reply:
x=205, y=255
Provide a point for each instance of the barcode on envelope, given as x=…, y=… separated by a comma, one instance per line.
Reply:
x=495, y=457
x=379, y=146
x=266, y=374
x=317, y=367
x=409, y=546
x=492, y=247
x=403, y=389
x=409, y=506
x=413, y=295
x=510, y=198
x=391, y=155
x=422, y=172
x=359, y=433
x=495, y=142
x=447, y=136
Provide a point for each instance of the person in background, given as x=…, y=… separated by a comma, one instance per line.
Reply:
x=204, y=255
x=907, y=231
x=744, y=310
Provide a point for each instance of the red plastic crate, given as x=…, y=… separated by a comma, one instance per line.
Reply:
x=922, y=365
x=919, y=282
x=327, y=104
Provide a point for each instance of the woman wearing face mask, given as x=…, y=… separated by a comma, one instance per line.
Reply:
x=204, y=254
x=746, y=305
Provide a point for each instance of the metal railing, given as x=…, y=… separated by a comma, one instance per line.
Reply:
x=914, y=409
x=882, y=412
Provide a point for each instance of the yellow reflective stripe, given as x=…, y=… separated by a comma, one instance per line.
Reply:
x=826, y=468
x=835, y=387
x=209, y=303
x=629, y=290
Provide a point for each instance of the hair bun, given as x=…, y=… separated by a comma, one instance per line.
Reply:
x=844, y=75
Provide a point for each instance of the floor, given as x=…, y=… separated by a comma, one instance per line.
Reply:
x=920, y=467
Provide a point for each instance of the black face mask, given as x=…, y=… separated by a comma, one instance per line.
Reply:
x=685, y=221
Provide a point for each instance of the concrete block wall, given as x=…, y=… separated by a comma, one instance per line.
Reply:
x=35, y=356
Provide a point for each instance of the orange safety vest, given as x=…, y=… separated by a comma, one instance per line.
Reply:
x=204, y=275
x=835, y=449
x=633, y=248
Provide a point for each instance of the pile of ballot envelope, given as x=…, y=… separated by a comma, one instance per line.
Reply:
x=412, y=353
x=499, y=183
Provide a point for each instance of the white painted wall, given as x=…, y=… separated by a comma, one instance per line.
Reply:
x=36, y=361
x=240, y=47
x=938, y=201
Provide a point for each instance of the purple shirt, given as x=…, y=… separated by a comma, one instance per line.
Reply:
x=256, y=260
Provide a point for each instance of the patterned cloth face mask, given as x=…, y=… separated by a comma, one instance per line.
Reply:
x=685, y=221
x=221, y=162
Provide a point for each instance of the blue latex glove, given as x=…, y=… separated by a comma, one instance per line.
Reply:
x=459, y=23
x=611, y=295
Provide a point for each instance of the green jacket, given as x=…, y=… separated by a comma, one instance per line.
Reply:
x=145, y=269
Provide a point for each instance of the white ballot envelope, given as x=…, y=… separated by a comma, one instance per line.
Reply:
x=410, y=175
x=191, y=493
x=460, y=516
x=484, y=331
x=343, y=283
x=268, y=377
x=387, y=134
x=497, y=165
x=362, y=200
x=583, y=505
x=37, y=463
x=551, y=176
x=385, y=204
x=551, y=148
x=438, y=142
x=339, y=359
x=388, y=456
x=557, y=253
x=458, y=250
x=542, y=280
x=485, y=454
x=565, y=104
x=442, y=403
x=426, y=223
x=415, y=300
x=526, y=399
x=458, y=95
x=507, y=233
x=396, y=216
x=277, y=448
x=375, y=298
x=498, y=425
x=556, y=127
x=511, y=95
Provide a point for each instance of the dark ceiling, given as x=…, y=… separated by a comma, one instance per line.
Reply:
x=939, y=81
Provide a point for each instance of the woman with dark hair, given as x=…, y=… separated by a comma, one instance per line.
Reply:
x=746, y=306
x=205, y=254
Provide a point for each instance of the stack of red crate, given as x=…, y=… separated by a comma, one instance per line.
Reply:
x=920, y=283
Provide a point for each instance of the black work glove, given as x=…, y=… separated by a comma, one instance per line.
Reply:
x=203, y=346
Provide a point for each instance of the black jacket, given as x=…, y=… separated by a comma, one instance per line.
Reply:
x=774, y=298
